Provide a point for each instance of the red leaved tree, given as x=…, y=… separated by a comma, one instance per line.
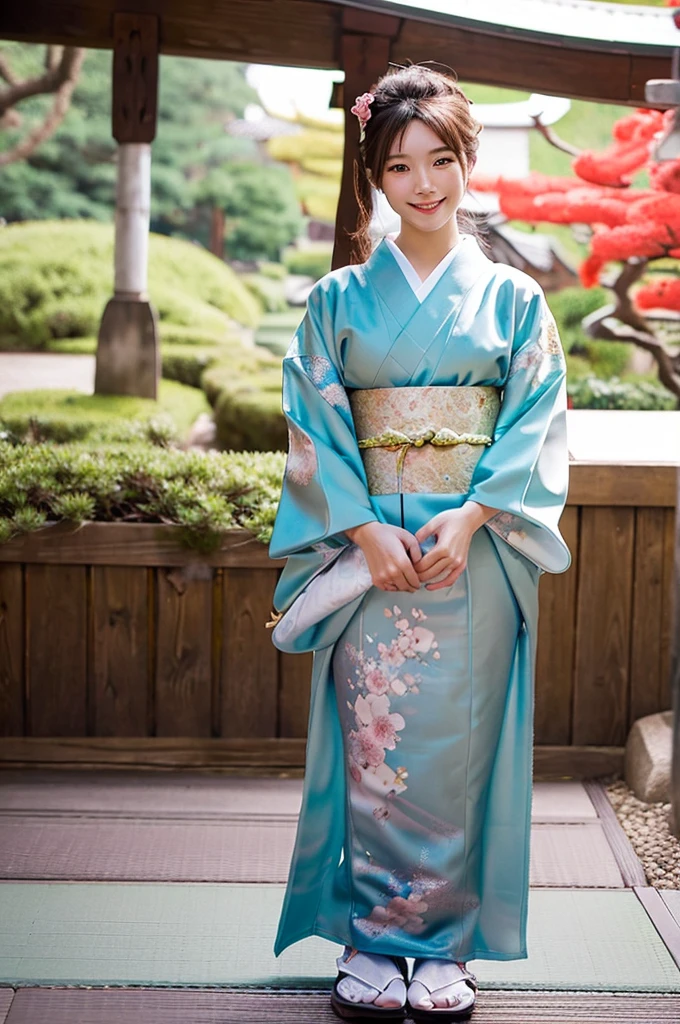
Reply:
x=630, y=226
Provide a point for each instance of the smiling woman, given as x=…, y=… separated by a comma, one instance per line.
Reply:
x=417, y=513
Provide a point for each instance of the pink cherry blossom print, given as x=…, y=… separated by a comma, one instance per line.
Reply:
x=364, y=750
x=376, y=681
x=422, y=639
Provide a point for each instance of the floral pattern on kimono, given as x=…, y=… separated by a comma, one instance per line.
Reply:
x=301, y=463
x=379, y=679
x=325, y=378
x=542, y=356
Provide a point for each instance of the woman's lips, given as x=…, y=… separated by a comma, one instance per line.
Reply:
x=427, y=207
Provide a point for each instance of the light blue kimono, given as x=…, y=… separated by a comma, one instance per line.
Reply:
x=414, y=831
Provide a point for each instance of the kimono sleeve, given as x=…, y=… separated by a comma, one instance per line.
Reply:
x=525, y=472
x=324, y=486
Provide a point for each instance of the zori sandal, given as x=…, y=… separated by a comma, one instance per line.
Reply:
x=378, y=975
x=433, y=976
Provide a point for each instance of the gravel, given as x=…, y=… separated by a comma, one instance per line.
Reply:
x=647, y=828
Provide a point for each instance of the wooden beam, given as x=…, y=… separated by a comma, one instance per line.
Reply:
x=237, y=756
x=364, y=58
x=135, y=77
x=133, y=544
x=614, y=483
x=306, y=33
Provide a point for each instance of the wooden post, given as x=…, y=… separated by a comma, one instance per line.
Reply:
x=364, y=55
x=128, y=355
x=675, y=677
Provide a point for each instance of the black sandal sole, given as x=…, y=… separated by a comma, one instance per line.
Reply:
x=447, y=1016
x=362, y=1012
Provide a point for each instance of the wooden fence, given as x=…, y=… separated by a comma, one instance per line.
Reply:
x=118, y=647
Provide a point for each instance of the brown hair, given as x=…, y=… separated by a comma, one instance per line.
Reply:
x=403, y=95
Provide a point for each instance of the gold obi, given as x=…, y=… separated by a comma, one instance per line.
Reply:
x=423, y=440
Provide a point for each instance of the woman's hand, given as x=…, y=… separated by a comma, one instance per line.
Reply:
x=390, y=553
x=453, y=529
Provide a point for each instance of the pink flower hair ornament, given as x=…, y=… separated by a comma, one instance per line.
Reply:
x=361, y=109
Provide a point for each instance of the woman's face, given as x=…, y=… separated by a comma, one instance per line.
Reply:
x=423, y=181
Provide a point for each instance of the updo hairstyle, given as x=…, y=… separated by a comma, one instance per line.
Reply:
x=401, y=96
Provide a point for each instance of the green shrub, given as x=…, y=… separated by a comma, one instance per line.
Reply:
x=56, y=277
x=62, y=416
x=247, y=403
x=592, y=393
x=238, y=365
x=275, y=271
x=187, y=363
x=267, y=290
x=569, y=306
x=248, y=414
x=313, y=261
x=204, y=493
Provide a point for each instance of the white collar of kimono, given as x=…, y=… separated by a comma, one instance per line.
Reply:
x=421, y=289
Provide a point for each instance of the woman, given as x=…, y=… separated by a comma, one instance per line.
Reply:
x=425, y=396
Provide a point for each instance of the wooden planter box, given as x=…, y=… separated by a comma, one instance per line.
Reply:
x=120, y=648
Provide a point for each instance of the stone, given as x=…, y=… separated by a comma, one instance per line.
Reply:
x=647, y=760
x=128, y=352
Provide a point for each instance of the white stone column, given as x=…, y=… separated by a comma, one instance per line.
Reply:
x=128, y=353
x=133, y=205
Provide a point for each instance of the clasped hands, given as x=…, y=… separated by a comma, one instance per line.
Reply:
x=396, y=561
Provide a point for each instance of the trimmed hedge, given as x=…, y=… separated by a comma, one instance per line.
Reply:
x=268, y=290
x=312, y=261
x=203, y=493
x=592, y=393
x=247, y=406
x=56, y=276
x=62, y=416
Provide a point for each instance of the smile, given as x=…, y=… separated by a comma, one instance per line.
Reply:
x=427, y=207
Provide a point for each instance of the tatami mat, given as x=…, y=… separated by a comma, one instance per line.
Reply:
x=188, y=851
x=238, y=850
x=154, y=934
x=5, y=1001
x=137, y=794
x=573, y=856
x=561, y=801
x=177, y=1006
x=671, y=898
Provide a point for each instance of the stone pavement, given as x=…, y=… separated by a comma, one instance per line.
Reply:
x=23, y=371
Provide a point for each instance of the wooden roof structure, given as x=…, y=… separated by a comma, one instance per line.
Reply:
x=601, y=52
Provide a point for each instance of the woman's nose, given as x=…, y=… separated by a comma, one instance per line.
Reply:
x=423, y=184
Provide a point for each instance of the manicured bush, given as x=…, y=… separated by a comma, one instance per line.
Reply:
x=238, y=364
x=592, y=393
x=267, y=290
x=275, y=271
x=601, y=359
x=56, y=276
x=312, y=261
x=248, y=414
x=204, y=493
x=187, y=363
x=247, y=405
x=63, y=416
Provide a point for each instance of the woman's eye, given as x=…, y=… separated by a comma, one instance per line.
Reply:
x=444, y=159
x=398, y=167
